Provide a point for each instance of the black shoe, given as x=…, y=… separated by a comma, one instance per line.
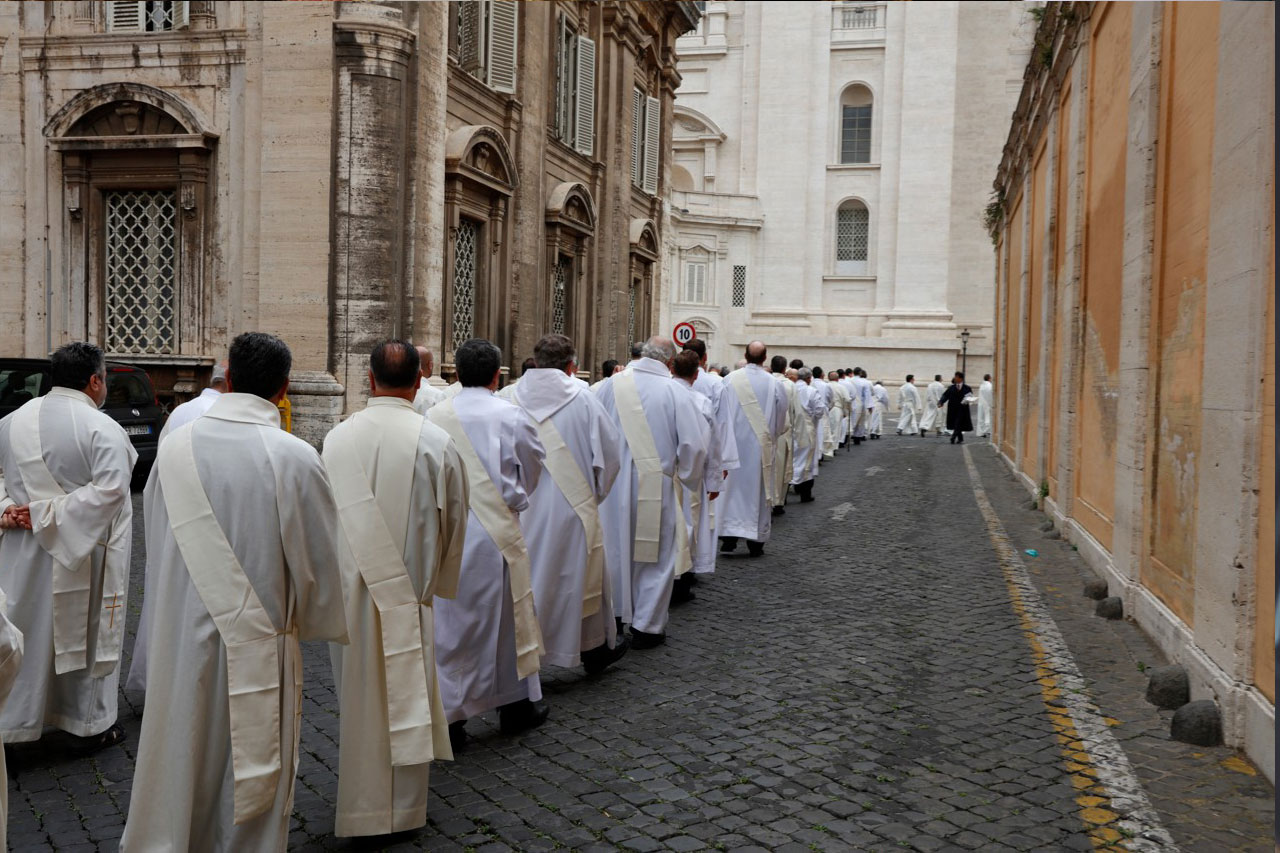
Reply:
x=597, y=660
x=521, y=716
x=807, y=498
x=96, y=743
x=728, y=544
x=693, y=578
x=755, y=549
x=682, y=591
x=778, y=510
x=458, y=736
x=644, y=640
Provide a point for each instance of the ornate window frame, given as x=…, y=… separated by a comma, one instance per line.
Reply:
x=570, y=225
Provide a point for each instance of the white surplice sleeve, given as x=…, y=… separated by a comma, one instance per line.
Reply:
x=522, y=456
x=453, y=497
x=691, y=445
x=606, y=458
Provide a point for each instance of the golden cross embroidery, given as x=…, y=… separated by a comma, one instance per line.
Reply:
x=115, y=603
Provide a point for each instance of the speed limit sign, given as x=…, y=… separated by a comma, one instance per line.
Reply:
x=683, y=333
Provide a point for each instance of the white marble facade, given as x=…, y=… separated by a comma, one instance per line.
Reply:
x=832, y=162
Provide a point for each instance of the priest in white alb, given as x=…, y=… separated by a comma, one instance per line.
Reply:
x=881, y=397
x=488, y=643
x=562, y=524
x=761, y=416
x=65, y=539
x=241, y=533
x=986, y=400
x=866, y=399
x=934, y=418
x=664, y=440
x=909, y=407
x=825, y=446
x=808, y=452
x=427, y=394
x=698, y=505
x=784, y=446
x=401, y=492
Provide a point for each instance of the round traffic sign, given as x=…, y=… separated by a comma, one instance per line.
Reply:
x=683, y=333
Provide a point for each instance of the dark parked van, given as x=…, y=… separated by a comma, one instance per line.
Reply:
x=131, y=400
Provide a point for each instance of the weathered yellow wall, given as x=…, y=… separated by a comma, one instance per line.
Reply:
x=1264, y=662
x=1030, y=449
x=1008, y=379
x=1108, y=116
x=1061, y=232
x=1188, y=81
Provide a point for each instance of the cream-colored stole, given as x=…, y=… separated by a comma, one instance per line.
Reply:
x=246, y=629
x=380, y=562
x=568, y=477
x=504, y=529
x=644, y=453
x=741, y=383
x=72, y=584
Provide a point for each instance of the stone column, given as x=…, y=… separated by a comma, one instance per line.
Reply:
x=372, y=50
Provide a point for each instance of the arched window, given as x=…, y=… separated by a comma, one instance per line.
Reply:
x=855, y=125
x=853, y=232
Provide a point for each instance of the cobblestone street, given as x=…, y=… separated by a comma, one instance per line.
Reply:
x=868, y=684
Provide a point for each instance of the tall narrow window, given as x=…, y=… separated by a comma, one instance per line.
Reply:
x=464, y=282
x=646, y=132
x=575, y=88
x=855, y=125
x=695, y=282
x=140, y=293
x=633, y=299
x=560, y=296
x=485, y=35
x=853, y=226
x=739, y=286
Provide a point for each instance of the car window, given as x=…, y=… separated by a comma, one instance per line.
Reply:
x=18, y=385
x=126, y=389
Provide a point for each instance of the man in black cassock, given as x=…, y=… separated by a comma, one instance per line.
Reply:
x=958, y=419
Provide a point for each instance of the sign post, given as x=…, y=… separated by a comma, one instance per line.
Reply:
x=683, y=333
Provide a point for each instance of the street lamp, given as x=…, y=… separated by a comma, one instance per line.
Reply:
x=964, y=352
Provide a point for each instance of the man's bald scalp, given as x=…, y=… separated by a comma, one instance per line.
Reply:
x=756, y=352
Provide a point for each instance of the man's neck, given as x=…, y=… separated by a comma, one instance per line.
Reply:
x=406, y=394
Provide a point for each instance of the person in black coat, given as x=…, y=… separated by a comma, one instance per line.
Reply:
x=959, y=420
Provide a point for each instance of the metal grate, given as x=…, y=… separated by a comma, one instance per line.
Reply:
x=140, y=288
x=464, y=282
x=559, y=297
x=852, y=225
x=739, y=286
x=631, y=311
x=855, y=134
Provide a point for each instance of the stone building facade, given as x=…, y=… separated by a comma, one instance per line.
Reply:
x=1136, y=324
x=829, y=177
x=174, y=173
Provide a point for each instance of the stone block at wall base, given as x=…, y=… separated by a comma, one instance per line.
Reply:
x=317, y=401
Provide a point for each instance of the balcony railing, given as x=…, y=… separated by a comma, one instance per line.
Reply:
x=857, y=23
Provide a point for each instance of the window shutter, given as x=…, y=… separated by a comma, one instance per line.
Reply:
x=125, y=17
x=562, y=61
x=652, y=129
x=585, y=132
x=637, y=134
x=470, y=40
x=502, y=45
x=181, y=15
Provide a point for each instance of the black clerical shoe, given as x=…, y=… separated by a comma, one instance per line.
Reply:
x=682, y=591
x=95, y=743
x=521, y=716
x=778, y=510
x=458, y=736
x=755, y=549
x=597, y=660
x=644, y=640
x=728, y=544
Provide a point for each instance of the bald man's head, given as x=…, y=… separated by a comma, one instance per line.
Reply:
x=756, y=352
x=427, y=360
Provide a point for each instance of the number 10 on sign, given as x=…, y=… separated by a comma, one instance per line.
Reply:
x=683, y=333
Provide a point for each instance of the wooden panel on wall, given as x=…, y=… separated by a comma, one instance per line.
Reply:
x=1029, y=452
x=1008, y=378
x=1062, y=229
x=1188, y=81
x=1108, y=118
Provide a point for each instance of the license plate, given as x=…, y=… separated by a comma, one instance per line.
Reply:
x=138, y=429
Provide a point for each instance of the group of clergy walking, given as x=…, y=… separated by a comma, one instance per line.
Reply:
x=447, y=543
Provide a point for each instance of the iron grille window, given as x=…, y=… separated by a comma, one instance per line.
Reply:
x=739, y=286
x=855, y=134
x=464, y=282
x=141, y=296
x=631, y=311
x=560, y=297
x=852, y=239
